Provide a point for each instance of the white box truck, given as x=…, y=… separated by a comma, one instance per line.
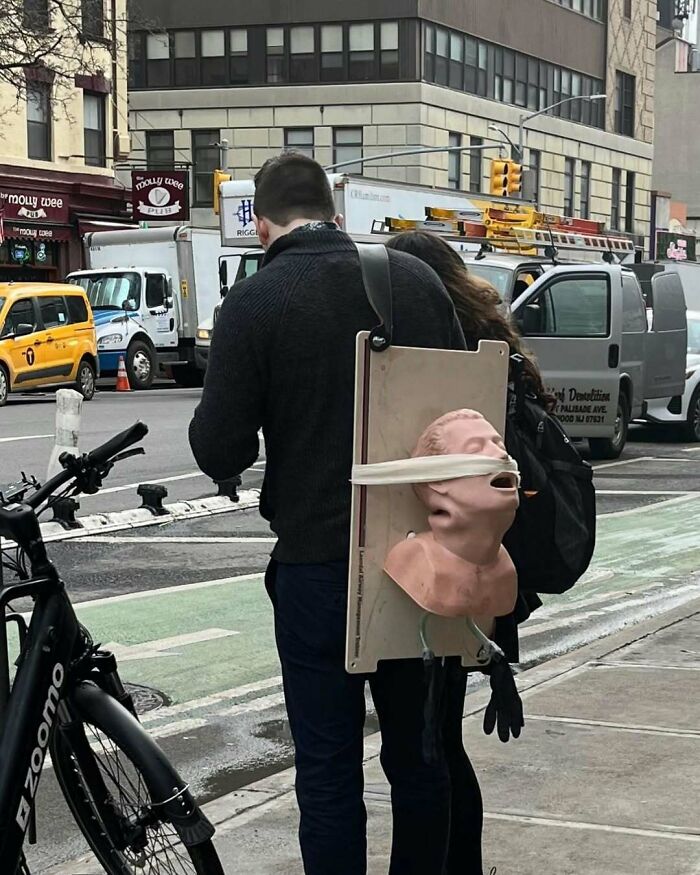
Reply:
x=149, y=289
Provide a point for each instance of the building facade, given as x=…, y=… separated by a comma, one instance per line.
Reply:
x=61, y=137
x=387, y=75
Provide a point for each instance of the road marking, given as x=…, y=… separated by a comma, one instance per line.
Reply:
x=620, y=727
x=645, y=666
x=682, y=499
x=260, y=704
x=647, y=459
x=214, y=699
x=160, y=647
x=174, y=539
x=124, y=488
x=25, y=437
x=647, y=492
x=666, y=833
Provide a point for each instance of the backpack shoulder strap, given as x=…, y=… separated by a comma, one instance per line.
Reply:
x=374, y=262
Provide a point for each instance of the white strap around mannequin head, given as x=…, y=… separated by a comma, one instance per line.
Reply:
x=432, y=469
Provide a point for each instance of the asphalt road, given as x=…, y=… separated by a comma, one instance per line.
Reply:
x=183, y=606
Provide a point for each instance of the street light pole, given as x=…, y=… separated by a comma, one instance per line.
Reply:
x=423, y=150
x=527, y=118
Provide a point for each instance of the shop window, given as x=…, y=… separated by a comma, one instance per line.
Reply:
x=186, y=68
x=302, y=55
x=205, y=158
x=214, y=62
x=160, y=149
x=585, y=201
x=158, y=60
x=615, y=198
x=361, y=58
x=476, y=166
x=299, y=140
x=38, y=121
x=92, y=14
x=347, y=144
x=389, y=49
x=454, y=163
x=94, y=129
x=332, y=64
x=276, y=68
x=54, y=312
x=35, y=15
x=239, y=56
x=624, y=104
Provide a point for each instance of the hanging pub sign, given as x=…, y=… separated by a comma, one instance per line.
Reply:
x=160, y=195
x=675, y=247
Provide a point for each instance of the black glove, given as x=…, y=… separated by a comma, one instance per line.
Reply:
x=505, y=707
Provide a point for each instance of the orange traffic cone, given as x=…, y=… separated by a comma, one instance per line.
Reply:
x=122, y=377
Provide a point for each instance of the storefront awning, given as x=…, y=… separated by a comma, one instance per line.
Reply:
x=35, y=231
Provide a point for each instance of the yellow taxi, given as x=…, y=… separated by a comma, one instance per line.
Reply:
x=47, y=338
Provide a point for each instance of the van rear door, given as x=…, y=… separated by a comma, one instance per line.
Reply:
x=571, y=319
x=667, y=341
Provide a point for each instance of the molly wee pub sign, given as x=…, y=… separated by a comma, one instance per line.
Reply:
x=160, y=195
x=30, y=205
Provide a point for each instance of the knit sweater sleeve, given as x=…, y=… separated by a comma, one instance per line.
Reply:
x=224, y=429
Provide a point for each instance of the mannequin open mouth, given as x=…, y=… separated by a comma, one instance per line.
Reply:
x=504, y=481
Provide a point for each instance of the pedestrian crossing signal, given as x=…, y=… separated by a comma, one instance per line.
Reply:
x=499, y=178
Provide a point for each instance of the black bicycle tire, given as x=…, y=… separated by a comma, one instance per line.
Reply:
x=203, y=856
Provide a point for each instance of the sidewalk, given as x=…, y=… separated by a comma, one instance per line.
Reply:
x=604, y=781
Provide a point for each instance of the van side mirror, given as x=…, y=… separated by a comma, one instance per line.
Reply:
x=129, y=305
x=531, y=319
x=23, y=329
x=223, y=276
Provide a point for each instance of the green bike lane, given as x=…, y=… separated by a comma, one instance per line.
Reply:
x=215, y=638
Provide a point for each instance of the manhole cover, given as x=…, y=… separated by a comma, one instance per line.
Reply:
x=146, y=698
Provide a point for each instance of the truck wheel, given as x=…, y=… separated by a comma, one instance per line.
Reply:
x=691, y=430
x=85, y=381
x=140, y=365
x=188, y=376
x=611, y=448
x=4, y=386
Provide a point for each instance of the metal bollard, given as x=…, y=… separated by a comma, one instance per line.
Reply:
x=152, y=496
x=69, y=407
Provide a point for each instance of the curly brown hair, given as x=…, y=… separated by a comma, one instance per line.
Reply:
x=476, y=301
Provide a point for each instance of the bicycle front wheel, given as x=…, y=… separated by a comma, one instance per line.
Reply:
x=111, y=804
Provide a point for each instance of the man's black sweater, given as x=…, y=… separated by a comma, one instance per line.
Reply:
x=283, y=359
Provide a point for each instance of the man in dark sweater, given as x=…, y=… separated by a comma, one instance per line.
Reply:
x=283, y=359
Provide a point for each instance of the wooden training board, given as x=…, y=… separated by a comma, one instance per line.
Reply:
x=398, y=393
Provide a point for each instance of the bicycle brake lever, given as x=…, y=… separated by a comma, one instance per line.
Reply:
x=127, y=454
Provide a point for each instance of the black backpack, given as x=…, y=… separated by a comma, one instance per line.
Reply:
x=552, y=539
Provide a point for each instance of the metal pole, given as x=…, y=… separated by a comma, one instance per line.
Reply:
x=424, y=150
x=223, y=155
x=527, y=118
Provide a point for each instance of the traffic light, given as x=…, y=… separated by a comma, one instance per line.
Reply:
x=219, y=177
x=499, y=178
x=515, y=178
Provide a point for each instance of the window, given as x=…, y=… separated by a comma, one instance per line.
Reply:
x=347, y=144
x=92, y=18
x=429, y=52
x=389, y=50
x=156, y=290
x=77, y=309
x=476, y=171
x=21, y=313
x=535, y=168
x=615, y=199
x=627, y=8
x=361, y=57
x=442, y=49
x=585, y=203
x=570, y=307
x=569, y=174
x=136, y=43
x=456, y=71
x=54, y=312
x=300, y=140
x=38, y=121
x=214, y=57
x=629, y=202
x=185, y=64
x=239, y=56
x=205, y=158
x=302, y=57
x=158, y=60
x=332, y=66
x=160, y=149
x=35, y=15
x=454, y=163
x=94, y=129
x=624, y=104
x=276, y=71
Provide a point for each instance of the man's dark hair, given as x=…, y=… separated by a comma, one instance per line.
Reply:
x=293, y=186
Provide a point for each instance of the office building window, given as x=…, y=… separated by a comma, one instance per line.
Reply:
x=615, y=199
x=158, y=60
x=302, y=55
x=585, y=202
x=92, y=13
x=389, y=49
x=456, y=68
x=205, y=159
x=476, y=165
x=94, y=129
x=442, y=50
x=454, y=163
x=590, y=8
x=624, y=103
x=299, y=140
x=238, y=41
x=35, y=15
x=535, y=170
x=569, y=175
x=186, y=67
x=276, y=68
x=214, y=62
x=38, y=121
x=347, y=144
x=160, y=149
x=627, y=8
x=332, y=62
x=136, y=43
x=361, y=57
x=629, y=202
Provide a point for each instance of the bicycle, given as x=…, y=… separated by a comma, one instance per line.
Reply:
x=66, y=697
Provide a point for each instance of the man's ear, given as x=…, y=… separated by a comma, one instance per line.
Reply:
x=263, y=229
